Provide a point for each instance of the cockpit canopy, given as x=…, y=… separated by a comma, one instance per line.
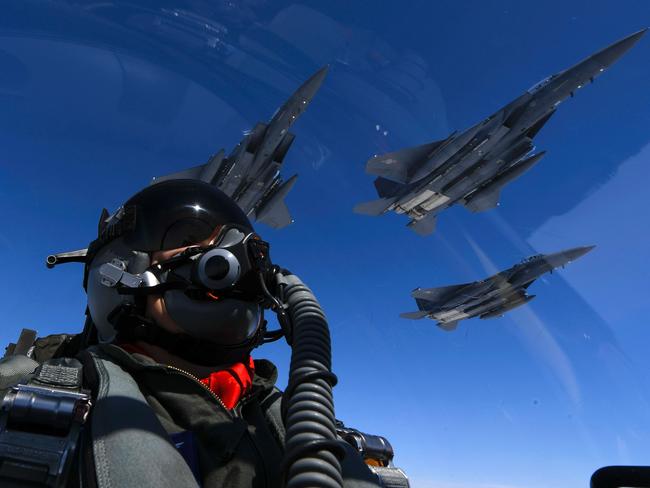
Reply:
x=531, y=258
x=541, y=84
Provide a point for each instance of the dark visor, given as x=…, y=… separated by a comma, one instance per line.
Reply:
x=179, y=213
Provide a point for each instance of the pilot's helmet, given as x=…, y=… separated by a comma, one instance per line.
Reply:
x=165, y=216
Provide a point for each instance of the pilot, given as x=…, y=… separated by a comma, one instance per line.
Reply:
x=173, y=397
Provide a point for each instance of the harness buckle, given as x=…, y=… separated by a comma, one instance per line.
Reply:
x=39, y=432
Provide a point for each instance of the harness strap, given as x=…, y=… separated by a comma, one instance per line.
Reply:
x=271, y=407
x=25, y=342
x=40, y=423
x=129, y=444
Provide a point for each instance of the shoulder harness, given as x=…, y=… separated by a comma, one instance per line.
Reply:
x=41, y=416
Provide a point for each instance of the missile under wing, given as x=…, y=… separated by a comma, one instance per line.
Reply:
x=491, y=297
x=251, y=173
x=472, y=167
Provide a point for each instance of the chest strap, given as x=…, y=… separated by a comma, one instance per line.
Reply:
x=40, y=424
x=130, y=446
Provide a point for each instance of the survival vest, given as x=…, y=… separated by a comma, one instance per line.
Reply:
x=86, y=421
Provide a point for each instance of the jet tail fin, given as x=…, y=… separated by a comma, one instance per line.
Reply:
x=420, y=314
x=400, y=166
x=387, y=188
x=374, y=207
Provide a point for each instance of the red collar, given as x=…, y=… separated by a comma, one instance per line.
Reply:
x=230, y=384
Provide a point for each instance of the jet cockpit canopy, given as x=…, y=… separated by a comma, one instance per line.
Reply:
x=531, y=258
x=541, y=84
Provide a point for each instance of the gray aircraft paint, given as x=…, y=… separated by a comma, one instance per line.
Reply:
x=491, y=297
x=472, y=167
x=250, y=175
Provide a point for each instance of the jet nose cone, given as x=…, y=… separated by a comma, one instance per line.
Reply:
x=311, y=86
x=321, y=73
x=575, y=253
x=611, y=53
x=633, y=38
x=564, y=257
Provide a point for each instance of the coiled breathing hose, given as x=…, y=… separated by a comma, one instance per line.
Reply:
x=312, y=453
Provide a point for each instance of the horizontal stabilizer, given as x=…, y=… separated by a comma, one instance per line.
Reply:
x=401, y=165
x=387, y=188
x=414, y=315
x=276, y=215
x=436, y=294
x=374, y=207
x=425, y=226
x=484, y=200
x=448, y=326
x=203, y=172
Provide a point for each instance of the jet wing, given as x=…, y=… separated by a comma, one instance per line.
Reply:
x=190, y=174
x=204, y=172
x=374, y=207
x=436, y=294
x=399, y=166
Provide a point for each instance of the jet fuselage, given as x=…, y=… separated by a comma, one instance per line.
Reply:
x=492, y=296
x=472, y=167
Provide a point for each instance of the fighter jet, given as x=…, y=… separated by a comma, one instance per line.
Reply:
x=251, y=173
x=472, y=167
x=491, y=297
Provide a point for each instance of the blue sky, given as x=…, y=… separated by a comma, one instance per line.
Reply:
x=96, y=101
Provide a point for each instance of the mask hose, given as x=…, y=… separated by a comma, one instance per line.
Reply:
x=312, y=452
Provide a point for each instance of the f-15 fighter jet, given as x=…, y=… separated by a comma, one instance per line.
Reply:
x=472, y=167
x=251, y=174
x=491, y=297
